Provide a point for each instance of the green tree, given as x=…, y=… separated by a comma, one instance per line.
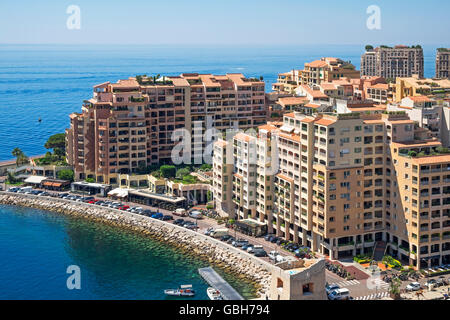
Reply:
x=57, y=142
x=65, y=174
x=12, y=178
x=369, y=47
x=89, y=180
x=394, y=288
x=168, y=171
x=21, y=158
x=182, y=172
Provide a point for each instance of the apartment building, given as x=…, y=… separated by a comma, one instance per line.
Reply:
x=287, y=81
x=388, y=62
x=443, y=63
x=348, y=181
x=128, y=125
x=427, y=113
x=314, y=73
x=415, y=86
x=327, y=69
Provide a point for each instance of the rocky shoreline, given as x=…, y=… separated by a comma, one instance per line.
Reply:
x=244, y=266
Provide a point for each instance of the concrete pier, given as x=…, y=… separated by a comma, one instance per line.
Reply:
x=218, y=283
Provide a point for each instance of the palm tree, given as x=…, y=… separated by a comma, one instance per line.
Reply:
x=21, y=158
x=394, y=288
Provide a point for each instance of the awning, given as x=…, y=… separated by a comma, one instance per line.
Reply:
x=118, y=192
x=34, y=179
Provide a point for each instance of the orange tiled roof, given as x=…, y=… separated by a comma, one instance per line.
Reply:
x=316, y=64
x=401, y=121
x=290, y=115
x=243, y=137
x=420, y=99
x=292, y=100
x=432, y=159
x=325, y=122
x=267, y=127
x=312, y=105
x=293, y=137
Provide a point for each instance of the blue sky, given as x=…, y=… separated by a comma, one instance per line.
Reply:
x=293, y=22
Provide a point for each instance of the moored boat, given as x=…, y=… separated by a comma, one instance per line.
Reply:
x=182, y=291
x=214, y=294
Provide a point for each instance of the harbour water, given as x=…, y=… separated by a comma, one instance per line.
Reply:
x=36, y=247
x=51, y=81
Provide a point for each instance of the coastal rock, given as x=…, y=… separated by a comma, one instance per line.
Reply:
x=221, y=255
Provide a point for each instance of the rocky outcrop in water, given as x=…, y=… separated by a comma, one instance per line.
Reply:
x=244, y=266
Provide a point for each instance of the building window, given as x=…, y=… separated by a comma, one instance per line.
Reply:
x=308, y=289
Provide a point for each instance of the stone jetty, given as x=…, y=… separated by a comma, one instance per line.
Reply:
x=244, y=266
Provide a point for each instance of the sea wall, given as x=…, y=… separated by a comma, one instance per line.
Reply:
x=244, y=265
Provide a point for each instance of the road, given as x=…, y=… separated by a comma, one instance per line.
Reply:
x=366, y=289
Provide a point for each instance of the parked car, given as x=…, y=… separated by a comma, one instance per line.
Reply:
x=252, y=249
x=246, y=246
x=167, y=218
x=260, y=253
x=230, y=240
x=180, y=212
x=268, y=237
x=274, y=239
x=339, y=294
x=225, y=237
x=239, y=243
x=124, y=208
x=13, y=189
x=413, y=286
x=157, y=215
x=331, y=287
x=196, y=214
x=272, y=255
x=178, y=221
x=191, y=226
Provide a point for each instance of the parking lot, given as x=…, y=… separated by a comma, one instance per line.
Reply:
x=268, y=249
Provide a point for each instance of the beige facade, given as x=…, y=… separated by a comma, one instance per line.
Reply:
x=340, y=185
x=128, y=125
x=387, y=62
x=298, y=280
x=415, y=86
x=443, y=63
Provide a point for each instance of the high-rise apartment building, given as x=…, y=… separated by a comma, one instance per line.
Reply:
x=129, y=125
x=346, y=182
x=443, y=63
x=387, y=62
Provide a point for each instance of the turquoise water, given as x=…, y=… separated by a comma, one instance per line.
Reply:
x=36, y=247
x=51, y=81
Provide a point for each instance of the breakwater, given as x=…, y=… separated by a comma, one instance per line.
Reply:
x=241, y=264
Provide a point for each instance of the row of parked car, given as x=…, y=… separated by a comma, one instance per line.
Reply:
x=186, y=224
x=93, y=200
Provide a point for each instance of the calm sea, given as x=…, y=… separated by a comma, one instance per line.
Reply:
x=36, y=247
x=51, y=81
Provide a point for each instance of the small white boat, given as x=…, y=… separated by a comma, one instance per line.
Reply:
x=184, y=291
x=214, y=294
